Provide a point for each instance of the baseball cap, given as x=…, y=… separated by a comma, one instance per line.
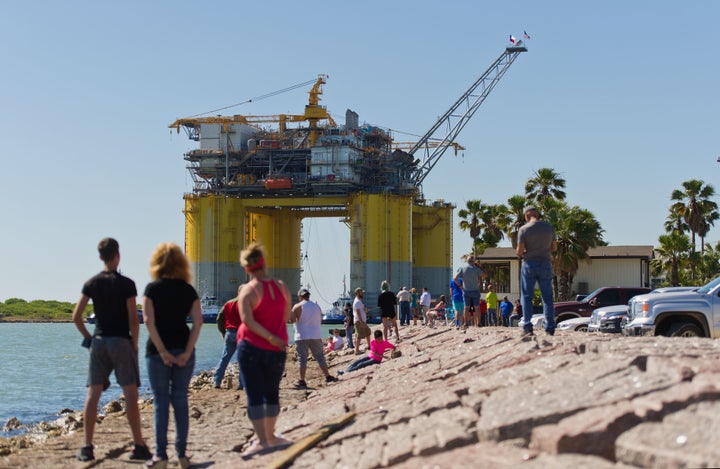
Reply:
x=303, y=291
x=530, y=208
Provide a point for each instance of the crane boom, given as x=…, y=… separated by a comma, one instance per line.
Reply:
x=459, y=113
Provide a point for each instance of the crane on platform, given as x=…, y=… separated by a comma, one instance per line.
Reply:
x=437, y=140
x=313, y=113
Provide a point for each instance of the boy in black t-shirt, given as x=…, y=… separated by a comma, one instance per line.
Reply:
x=113, y=345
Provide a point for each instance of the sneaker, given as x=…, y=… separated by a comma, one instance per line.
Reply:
x=300, y=384
x=86, y=453
x=330, y=379
x=141, y=452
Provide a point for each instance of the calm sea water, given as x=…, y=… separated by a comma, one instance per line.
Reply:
x=44, y=369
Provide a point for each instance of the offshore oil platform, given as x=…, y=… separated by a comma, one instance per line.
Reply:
x=258, y=177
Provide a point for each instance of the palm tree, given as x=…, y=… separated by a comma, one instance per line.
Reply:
x=493, y=219
x=515, y=217
x=675, y=220
x=672, y=254
x=577, y=231
x=545, y=184
x=694, y=205
x=470, y=219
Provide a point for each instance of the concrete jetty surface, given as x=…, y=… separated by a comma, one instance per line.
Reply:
x=480, y=398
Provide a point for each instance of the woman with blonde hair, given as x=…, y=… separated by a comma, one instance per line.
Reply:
x=262, y=339
x=170, y=350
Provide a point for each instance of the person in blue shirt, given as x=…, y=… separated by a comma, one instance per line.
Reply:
x=506, y=308
x=456, y=293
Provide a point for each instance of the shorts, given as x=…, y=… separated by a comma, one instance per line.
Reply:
x=362, y=329
x=390, y=315
x=315, y=346
x=113, y=353
x=471, y=297
x=459, y=307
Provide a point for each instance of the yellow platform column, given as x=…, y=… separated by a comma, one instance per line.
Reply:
x=432, y=247
x=214, y=229
x=279, y=231
x=380, y=243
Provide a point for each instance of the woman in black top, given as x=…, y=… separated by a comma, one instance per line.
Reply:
x=170, y=351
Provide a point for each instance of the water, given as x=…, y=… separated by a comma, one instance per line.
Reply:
x=44, y=369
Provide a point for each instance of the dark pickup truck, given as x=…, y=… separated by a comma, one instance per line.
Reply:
x=603, y=296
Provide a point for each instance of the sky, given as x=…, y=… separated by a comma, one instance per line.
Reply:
x=620, y=98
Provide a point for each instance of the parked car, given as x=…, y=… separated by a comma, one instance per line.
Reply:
x=666, y=317
x=608, y=319
x=575, y=324
x=603, y=296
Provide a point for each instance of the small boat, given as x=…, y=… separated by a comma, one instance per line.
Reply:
x=336, y=314
x=210, y=309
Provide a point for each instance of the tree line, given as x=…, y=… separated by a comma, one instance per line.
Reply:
x=692, y=213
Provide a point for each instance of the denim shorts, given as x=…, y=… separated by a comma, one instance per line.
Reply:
x=113, y=353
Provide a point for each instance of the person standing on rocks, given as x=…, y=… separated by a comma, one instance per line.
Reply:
x=492, y=305
x=262, y=342
x=170, y=351
x=306, y=317
x=387, y=301
x=506, y=309
x=360, y=320
x=425, y=301
x=349, y=325
x=113, y=346
x=414, y=306
x=456, y=294
x=404, y=298
x=536, y=243
x=230, y=324
x=471, y=276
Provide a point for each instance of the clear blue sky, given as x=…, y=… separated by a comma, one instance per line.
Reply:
x=620, y=98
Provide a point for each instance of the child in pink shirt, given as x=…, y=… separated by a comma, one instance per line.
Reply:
x=377, y=348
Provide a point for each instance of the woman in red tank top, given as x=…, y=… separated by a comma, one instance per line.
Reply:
x=262, y=339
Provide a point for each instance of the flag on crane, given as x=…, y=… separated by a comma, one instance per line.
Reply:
x=526, y=35
x=512, y=39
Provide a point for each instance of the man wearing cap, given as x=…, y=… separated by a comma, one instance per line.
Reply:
x=404, y=298
x=536, y=243
x=306, y=317
x=471, y=276
x=360, y=320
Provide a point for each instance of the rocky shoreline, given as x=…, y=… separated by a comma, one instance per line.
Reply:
x=481, y=398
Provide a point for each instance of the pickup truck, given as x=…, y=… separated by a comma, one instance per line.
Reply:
x=677, y=314
x=604, y=296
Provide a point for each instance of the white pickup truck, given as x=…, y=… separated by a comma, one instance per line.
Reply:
x=676, y=314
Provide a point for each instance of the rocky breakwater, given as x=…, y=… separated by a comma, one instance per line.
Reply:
x=483, y=398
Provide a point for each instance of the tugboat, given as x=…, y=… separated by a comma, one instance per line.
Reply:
x=336, y=315
x=210, y=309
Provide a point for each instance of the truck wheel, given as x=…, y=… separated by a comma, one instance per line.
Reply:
x=684, y=329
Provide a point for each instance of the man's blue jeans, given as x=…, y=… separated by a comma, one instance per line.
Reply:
x=228, y=353
x=170, y=386
x=539, y=271
x=405, y=313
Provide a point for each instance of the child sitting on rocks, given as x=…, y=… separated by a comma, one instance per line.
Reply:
x=377, y=348
x=336, y=342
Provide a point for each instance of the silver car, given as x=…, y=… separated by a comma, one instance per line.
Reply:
x=608, y=319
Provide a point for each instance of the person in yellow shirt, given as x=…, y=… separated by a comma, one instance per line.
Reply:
x=492, y=304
